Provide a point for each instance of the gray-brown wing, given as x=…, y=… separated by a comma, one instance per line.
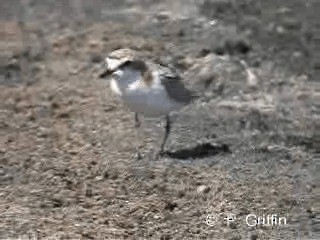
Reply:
x=175, y=88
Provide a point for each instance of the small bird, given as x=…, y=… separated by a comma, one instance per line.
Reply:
x=145, y=87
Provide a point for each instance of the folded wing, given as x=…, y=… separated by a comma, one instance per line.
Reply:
x=174, y=86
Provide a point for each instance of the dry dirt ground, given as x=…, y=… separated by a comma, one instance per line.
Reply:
x=247, y=146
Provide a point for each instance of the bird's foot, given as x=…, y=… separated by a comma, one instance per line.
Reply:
x=137, y=122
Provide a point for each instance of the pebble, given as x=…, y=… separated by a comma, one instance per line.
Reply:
x=203, y=189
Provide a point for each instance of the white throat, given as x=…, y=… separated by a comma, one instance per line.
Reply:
x=122, y=79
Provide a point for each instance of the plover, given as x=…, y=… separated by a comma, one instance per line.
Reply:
x=145, y=87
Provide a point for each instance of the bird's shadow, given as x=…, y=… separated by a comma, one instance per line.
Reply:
x=199, y=151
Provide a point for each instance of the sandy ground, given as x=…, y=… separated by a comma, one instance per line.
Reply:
x=248, y=146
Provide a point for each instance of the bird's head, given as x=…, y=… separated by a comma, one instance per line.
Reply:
x=117, y=61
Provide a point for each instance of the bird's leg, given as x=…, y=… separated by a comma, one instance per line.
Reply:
x=136, y=120
x=166, y=134
x=137, y=124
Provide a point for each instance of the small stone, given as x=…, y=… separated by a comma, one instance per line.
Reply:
x=93, y=43
x=202, y=189
x=252, y=80
x=163, y=16
x=297, y=54
x=99, y=178
x=213, y=22
x=43, y=132
x=280, y=29
x=88, y=190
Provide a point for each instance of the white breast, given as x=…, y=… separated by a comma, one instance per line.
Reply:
x=151, y=101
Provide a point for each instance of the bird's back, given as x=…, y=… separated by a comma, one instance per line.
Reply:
x=175, y=87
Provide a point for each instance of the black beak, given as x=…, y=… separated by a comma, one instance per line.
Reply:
x=105, y=73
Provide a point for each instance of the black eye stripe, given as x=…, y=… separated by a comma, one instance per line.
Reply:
x=126, y=63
